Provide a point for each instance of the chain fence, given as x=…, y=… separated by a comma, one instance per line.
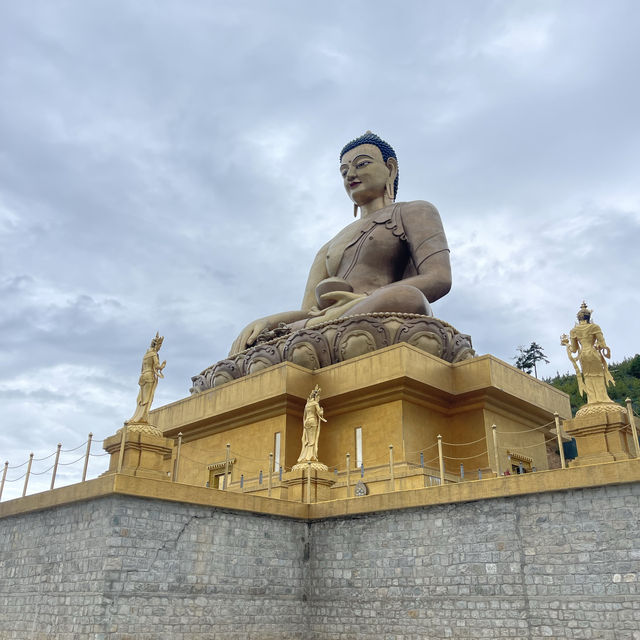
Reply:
x=60, y=468
x=437, y=462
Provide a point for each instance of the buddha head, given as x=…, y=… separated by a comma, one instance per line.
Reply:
x=369, y=168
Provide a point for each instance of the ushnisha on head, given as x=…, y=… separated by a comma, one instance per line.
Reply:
x=369, y=169
x=584, y=313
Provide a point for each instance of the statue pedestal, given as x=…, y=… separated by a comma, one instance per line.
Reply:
x=602, y=434
x=297, y=487
x=146, y=452
x=399, y=396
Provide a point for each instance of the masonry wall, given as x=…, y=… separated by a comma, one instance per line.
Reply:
x=131, y=568
x=561, y=565
x=553, y=565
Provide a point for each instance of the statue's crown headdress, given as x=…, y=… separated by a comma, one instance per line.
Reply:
x=157, y=341
x=584, y=313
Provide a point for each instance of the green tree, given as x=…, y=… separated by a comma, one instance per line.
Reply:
x=634, y=366
x=528, y=357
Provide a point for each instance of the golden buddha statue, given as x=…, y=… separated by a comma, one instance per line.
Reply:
x=394, y=258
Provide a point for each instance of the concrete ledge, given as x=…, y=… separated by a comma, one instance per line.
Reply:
x=599, y=475
x=156, y=489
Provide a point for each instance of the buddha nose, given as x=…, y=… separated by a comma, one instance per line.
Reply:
x=351, y=171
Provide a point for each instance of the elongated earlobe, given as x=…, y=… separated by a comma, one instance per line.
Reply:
x=355, y=210
x=389, y=190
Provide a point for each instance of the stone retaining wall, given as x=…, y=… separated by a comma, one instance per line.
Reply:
x=550, y=565
x=131, y=568
x=554, y=565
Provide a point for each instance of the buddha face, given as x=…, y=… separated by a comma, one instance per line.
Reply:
x=365, y=174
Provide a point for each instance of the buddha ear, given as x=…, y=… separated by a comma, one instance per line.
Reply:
x=392, y=165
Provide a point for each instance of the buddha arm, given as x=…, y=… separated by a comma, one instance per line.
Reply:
x=429, y=249
x=436, y=282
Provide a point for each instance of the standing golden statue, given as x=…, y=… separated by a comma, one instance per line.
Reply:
x=149, y=374
x=587, y=342
x=312, y=418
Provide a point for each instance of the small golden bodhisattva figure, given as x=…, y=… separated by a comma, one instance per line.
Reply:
x=587, y=342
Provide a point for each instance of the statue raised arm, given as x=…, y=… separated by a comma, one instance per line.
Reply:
x=394, y=258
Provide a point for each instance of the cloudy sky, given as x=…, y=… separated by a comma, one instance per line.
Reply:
x=173, y=166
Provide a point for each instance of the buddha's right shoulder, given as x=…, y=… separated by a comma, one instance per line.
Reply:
x=419, y=207
x=419, y=211
x=324, y=248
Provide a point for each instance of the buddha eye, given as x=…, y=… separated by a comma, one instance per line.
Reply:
x=362, y=164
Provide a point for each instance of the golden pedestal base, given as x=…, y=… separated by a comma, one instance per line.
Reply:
x=145, y=454
x=297, y=486
x=601, y=434
x=399, y=397
x=303, y=466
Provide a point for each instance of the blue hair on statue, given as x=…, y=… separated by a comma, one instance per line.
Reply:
x=385, y=149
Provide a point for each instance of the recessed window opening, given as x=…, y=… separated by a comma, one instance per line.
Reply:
x=358, y=447
x=276, y=453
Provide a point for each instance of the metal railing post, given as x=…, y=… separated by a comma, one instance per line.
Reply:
x=86, y=458
x=226, y=467
x=563, y=463
x=55, y=466
x=391, y=471
x=348, y=475
x=26, y=478
x=4, y=477
x=441, y=459
x=634, y=430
